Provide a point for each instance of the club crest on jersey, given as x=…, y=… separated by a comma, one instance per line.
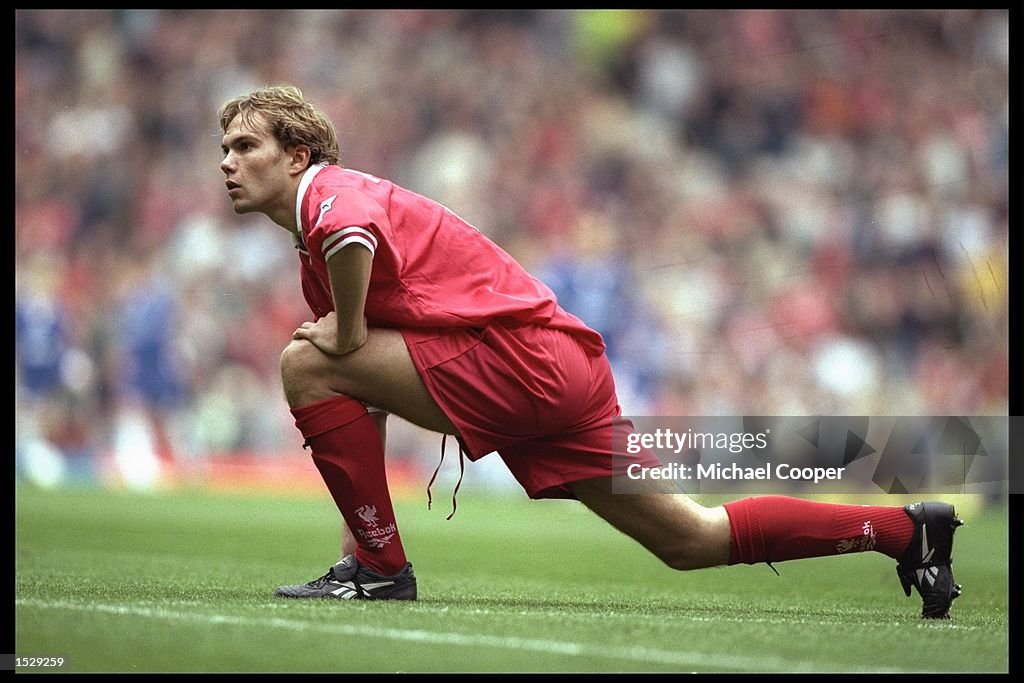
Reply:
x=325, y=206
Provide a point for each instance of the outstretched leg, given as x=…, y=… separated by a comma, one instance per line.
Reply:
x=687, y=535
x=675, y=528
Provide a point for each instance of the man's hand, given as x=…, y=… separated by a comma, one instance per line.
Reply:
x=324, y=335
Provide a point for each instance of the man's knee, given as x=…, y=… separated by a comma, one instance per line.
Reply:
x=676, y=529
x=296, y=361
x=680, y=558
x=302, y=373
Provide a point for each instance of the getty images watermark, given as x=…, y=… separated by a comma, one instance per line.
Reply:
x=827, y=454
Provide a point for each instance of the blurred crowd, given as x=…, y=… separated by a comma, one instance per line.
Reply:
x=764, y=212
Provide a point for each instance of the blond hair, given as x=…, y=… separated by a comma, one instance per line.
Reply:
x=291, y=119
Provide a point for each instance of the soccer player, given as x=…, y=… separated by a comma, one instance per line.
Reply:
x=417, y=313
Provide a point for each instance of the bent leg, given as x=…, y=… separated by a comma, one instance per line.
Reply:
x=327, y=395
x=349, y=544
x=380, y=373
x=678, y=530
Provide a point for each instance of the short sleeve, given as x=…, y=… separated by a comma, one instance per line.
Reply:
x=346, y=217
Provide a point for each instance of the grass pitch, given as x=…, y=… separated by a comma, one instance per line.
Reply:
x=183, y=582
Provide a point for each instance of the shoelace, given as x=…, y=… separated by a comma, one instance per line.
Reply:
x=462, y=470
x=319, y=583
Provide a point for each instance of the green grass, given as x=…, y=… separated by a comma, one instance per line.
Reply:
x=183, y=582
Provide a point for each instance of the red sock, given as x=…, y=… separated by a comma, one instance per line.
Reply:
x=777, y=528
x=347, y=450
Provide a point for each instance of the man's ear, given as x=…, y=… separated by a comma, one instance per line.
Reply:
x=298, y=158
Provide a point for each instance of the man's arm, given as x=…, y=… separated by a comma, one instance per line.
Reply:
x=343, y=330
x=349, y=270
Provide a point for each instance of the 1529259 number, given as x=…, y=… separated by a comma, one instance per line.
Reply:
x=40, y=662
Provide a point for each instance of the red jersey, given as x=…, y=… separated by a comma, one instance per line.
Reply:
x=430, y=267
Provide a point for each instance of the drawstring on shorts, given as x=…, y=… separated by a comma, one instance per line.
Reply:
x=462, y=470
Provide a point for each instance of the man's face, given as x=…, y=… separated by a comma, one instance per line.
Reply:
x=256, y=169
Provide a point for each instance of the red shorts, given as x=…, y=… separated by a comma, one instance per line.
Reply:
x=531, y=394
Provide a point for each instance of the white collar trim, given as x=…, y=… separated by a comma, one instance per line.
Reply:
x=307, y=178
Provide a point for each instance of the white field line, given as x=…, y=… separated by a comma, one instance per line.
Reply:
x=683, y=617
x=686, y=659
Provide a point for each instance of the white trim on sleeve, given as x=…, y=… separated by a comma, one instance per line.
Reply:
x=351, y=235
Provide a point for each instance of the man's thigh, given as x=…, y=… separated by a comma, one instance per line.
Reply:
x=380, y=374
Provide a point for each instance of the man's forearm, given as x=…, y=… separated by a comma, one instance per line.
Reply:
x=350, y=278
